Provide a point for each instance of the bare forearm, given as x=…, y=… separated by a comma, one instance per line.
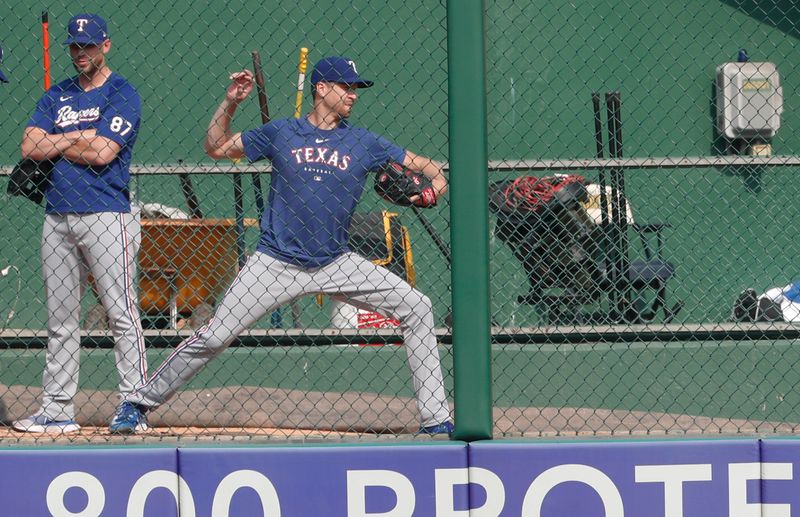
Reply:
x=220, y=142
x=434, y=171
x=219, y=128
x=430, y=168
x=45, y=146
x=82, y=152
x=92, y=150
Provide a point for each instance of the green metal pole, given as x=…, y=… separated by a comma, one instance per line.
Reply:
x=469, y=212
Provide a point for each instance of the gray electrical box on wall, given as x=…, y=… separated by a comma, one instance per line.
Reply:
x=749, y=100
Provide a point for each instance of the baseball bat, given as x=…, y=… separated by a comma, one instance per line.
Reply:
x=616, y=301
x=601, y=174
x=435, y=236
x=618, y=208
x=264, y=108
x=238, y=209
x=302, y=65
x=623, y=208
x=189, y=194
x=46, y=49
x=601, y=178
x=443, y=248
x=263, y=104
x=614, y=226
x=260, y=88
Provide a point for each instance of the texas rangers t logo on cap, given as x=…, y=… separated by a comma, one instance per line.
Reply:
x=81, y=23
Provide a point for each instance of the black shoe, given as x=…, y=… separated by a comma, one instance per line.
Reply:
x=768, y=310
x=745, y=306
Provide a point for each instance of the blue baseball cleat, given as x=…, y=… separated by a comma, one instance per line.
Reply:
x=128, y=419
x=443, y=428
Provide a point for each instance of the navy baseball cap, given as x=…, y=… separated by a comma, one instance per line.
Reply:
x=86, y=29
x=2, y=75
x=336, y=69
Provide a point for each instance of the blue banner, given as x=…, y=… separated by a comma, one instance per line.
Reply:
x=253, y=481
x=681, y=478
x=89, y=482
x=616, y=479
x=334, y=481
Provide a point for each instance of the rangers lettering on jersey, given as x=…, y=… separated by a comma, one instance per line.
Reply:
x=321, y=155
x=69, y=117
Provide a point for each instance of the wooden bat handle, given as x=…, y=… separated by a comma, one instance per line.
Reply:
x=262, y=92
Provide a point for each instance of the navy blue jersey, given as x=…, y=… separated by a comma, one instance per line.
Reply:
x=113, y=110
x=317, y=179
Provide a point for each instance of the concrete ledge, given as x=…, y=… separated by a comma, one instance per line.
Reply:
x=27, y=338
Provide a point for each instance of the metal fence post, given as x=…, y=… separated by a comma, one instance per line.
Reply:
x=469, y=218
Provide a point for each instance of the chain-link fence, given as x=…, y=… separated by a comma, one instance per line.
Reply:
x=640, y=207
x=686, y=107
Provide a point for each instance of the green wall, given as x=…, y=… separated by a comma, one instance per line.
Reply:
x=730, y=229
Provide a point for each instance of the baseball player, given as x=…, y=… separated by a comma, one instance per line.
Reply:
x=320, y=165
x=87, y=126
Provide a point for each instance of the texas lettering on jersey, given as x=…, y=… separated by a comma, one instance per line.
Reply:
x=323, y=155
x=66, y=116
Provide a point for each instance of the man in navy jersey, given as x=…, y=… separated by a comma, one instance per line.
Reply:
x=320, y=166
x=87, y=125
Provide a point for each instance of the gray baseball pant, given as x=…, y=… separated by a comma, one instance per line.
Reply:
x=105, y=245
x=265, y=283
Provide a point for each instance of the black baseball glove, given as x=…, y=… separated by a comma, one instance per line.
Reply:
x=29, y=179
x=399, y=184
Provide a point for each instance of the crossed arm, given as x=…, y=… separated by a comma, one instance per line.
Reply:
x=82, y=147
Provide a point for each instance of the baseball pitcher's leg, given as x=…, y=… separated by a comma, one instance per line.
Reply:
x=262, y=285
x=61, y=269
x=365, y=285
x=110, y=254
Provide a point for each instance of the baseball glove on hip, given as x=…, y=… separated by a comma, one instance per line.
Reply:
x=29, y=179
x=398, y=184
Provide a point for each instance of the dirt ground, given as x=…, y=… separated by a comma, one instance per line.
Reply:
x=252, y=414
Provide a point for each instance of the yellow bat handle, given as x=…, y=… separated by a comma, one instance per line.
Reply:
x=302, y=66
x=301, y=79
